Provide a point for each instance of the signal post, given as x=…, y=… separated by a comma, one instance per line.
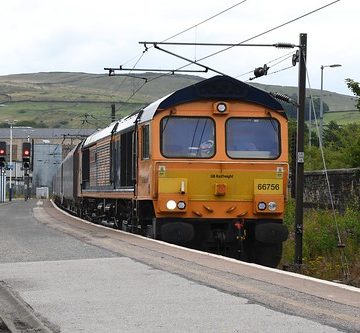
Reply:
x=26, y=155
x=2, y=171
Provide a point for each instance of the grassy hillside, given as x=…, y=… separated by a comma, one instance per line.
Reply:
x=60, y=99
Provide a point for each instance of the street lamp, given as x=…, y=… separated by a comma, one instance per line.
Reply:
x=11, y=123
x=321, y=98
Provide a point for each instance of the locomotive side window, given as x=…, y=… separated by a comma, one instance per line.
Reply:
x=145, y=142
x=85, y=168
x=127, y=164
x=117, y=163
x=191, y=137
x=252, y=138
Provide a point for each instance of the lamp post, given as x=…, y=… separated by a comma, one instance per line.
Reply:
x=11, y=123
x=321, y=98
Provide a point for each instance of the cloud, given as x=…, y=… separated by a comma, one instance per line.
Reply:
x=42, y=35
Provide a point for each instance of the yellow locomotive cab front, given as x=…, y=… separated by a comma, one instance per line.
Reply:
x=220, y=169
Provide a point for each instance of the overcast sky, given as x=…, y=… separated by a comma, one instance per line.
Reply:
x=88, y=35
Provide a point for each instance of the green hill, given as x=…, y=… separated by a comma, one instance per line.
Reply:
x=75, y=100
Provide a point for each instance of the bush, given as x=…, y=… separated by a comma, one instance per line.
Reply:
x=324, y=235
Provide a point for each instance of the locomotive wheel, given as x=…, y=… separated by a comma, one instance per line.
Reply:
x=267, y=254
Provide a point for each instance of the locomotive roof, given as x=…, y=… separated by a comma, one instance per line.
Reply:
x=216, y=88
x=114, y=127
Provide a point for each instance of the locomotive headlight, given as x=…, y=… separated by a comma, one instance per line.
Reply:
x=261, y=205
x=181, y=205
x=221, y=107
x=171, y=205
x=272, y=206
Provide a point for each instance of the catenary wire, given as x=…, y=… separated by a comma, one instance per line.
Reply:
x=204, y=21
x=173, y=36
x=270, y=30
x=251, y=38
x=283, y=57
x=194, y=26
x=256, y=36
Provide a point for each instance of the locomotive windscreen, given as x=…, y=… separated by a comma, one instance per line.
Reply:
x=252, y=138
x=188, y=137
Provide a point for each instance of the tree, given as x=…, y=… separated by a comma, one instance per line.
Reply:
x=332, y=136
x=351, y=145
x=341, y=148
x=355, y=88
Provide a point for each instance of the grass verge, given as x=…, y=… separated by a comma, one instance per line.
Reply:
x=331, y=242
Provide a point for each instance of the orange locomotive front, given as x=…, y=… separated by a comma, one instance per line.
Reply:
x=217, y=175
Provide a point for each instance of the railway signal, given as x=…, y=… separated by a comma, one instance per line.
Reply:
x=26, y=153
x=2, y=154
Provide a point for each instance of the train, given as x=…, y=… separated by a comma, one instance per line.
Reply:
x=204, y=167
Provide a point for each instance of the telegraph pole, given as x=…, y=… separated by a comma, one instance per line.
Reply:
x=299, y=184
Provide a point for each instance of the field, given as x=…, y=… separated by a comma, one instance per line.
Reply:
x=73, y=100
x=342, y=118
x=64, y=114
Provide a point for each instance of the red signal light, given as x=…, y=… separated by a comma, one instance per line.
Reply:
x=2, y=148
x=26, y=150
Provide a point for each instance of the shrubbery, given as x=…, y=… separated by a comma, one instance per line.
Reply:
x=323, y=256
x=341, y=147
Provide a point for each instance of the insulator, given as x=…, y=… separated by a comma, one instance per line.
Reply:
x=295, y=58
x=284, y=45
x=261, y=71
x=283, y=98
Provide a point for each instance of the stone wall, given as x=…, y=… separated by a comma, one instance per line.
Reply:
x=344, y=186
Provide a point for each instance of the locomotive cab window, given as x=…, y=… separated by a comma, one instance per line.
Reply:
x=253, y=138
x=187, y=137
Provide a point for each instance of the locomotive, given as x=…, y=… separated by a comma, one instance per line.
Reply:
x=205, y=167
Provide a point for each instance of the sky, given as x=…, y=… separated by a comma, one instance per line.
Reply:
x=88, y=35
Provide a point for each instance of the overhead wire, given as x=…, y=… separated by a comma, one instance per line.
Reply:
x=286, y=57
x=256, y=36
x=270, y=30
x=280, y=70
x=193, y=26
x=176, y=35
x=283, y=57
x=230, y=47
x=188, y=29
x=138, y=60
x=204, y=21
